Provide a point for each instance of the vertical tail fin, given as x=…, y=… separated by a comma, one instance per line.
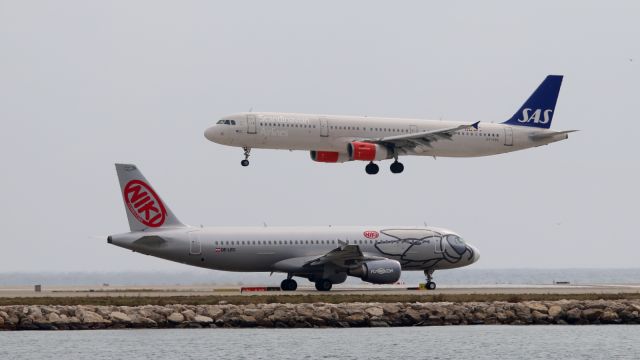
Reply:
x=538, y=110
x=145, y=209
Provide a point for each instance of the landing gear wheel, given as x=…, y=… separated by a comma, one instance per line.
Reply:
x=323, y=285
x=288, y=285
x=430, y=284
x=372, y=168
x=247, y=152
x=397, y=167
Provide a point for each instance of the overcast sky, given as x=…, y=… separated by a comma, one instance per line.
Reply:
x=85, y=84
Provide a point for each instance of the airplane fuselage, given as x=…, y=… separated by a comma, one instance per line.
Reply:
x=333, y=133
x=286, y=249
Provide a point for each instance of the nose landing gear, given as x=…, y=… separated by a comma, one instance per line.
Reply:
x=247, y=152
x=430, y=284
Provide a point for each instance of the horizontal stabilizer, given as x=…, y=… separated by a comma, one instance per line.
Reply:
x=546, y=134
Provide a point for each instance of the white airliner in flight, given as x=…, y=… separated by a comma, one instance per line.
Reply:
x=333, y=139
x=324, y=255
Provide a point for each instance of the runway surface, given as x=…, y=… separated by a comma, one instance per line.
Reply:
x=202, y=290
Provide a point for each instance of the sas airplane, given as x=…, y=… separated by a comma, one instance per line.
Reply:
x=334, y=138
x=323, y=255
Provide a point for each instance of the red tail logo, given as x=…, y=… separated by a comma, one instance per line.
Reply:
x=370, y=234
x=144, y=203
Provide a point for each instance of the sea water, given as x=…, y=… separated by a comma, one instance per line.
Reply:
x=447, y=342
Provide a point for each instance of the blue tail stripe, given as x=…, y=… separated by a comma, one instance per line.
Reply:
x=538, y=110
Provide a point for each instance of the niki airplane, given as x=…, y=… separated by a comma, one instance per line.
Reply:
x=324, y=255
x=334, y=139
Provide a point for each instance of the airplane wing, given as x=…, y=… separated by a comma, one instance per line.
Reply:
x=409, y=142
x=344, y=256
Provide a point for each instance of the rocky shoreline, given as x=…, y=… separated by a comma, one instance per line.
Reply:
x=223, y=315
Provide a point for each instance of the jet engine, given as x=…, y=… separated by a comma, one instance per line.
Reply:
x=367, y=151
x=329, y=156
x=378, y=271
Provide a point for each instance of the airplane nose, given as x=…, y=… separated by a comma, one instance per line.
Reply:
x=476, y=254
x=210, y=133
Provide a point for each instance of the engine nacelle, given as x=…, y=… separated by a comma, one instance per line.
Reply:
x=367, y=151
x=378, y=271
x=329, y=156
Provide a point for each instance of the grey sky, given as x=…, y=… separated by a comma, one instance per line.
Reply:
x=85, y=84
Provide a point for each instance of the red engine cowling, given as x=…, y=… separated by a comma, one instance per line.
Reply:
x=367, y=151
x=328, y=156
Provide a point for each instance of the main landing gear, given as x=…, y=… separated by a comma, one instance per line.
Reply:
x=373, y=168
x=430, y=284
x=323, y=285
x=397, y=167
x=288, y=284
x=245, y=162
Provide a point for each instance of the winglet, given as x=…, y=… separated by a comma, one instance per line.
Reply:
x=475, y=124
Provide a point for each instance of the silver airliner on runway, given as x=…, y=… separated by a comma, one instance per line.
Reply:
x=337, y=138
x=324, y=255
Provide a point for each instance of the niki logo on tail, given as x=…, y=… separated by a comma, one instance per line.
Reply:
x=535, y=117
x=144, y=203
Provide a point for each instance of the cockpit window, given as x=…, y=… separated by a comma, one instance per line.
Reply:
x=457, y=244
x=226, y=122
x=455, y=239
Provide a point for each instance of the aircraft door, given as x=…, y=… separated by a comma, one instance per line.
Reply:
x=508, y=136
x=324, y=127
x=413, y=129
x=251, y=124
x=195, y=248
x=439, y=247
